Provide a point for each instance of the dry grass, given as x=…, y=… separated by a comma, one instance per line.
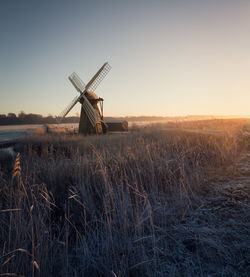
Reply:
x=122, y=205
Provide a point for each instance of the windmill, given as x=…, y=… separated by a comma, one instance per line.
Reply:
x=91, y=118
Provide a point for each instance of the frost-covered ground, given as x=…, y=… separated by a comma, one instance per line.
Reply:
x=13, y=132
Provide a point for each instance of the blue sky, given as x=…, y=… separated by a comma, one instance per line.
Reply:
x=168, y=57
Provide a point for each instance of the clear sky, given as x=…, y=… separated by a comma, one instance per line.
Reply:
x=168, y=57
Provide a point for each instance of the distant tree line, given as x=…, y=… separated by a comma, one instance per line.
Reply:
x=31, y=118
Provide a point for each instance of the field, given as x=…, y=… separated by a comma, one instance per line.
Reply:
x=169, y=199
x=13, y=132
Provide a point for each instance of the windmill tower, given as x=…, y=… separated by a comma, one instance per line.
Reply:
x=91, y=118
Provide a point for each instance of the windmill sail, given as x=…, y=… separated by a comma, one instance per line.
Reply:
x=77, y=82
x=68, y=109
x=93, y=116
x=99, y=76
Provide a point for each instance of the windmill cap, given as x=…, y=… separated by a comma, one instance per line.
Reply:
x=91, y=95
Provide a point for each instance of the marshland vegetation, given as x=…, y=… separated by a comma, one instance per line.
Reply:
x=148, y=203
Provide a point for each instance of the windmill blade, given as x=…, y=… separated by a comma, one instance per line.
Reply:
x=68, y=109
x=91, y=113
x=77, y=82
x=99, y=76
